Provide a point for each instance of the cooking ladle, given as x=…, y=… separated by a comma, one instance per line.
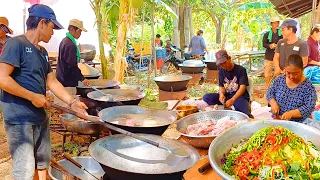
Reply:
x=109, y=96
x=178, y=151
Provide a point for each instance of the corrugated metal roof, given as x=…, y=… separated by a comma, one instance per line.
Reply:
x=293, y=8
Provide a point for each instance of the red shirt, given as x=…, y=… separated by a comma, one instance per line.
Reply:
x=313, y=50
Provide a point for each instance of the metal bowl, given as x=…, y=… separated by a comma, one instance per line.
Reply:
x=87, y=52
x=223, y=143
x=74, y=124
x=86, y=161
x=205, y=141
x=172, y=83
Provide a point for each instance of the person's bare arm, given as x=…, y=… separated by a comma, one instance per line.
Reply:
x=8, y=84
x=240, y=92
x=276, y=62
x=313, y=62
x=305, y=60
x=58, y=90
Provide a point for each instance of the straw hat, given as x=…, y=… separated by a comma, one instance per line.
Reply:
x=275, y=19
x=77, y=23
x=4, y=21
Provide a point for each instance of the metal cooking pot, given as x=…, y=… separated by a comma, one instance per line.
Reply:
x=86, y=161
x=74, y=124
x=191, y=70
x=123, y=157
x=87, y=52
x=205, y=140
x=83, y=90
x=211, y=64
x=172, y=83
x=193, y=63
x=223, y=143
x=141, y=115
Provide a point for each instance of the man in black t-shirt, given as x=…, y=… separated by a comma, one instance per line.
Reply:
x=233, y=82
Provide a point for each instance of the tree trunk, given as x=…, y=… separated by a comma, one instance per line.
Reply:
x=186, y=22
x=181, y=27
x=121, y=40
x=191, y=23
x=175, y=34
x=218, y=24
x=96, y=6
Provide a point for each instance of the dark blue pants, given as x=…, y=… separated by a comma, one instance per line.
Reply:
x=241, y=104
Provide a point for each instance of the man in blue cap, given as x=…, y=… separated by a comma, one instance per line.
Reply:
x=290, y=44
x=25, y=74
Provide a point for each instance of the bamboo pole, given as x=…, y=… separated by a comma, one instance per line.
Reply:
x=152, y=41
x=141, y=44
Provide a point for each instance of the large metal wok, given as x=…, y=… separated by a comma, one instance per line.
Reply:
x=83, y=90
x=172, y=83
x=139, y=114
x=123, y=157
x=223, y=143
x=87, y=162
x=192, y=66
x=74, y=124
x=101, y=104
x=211, y=64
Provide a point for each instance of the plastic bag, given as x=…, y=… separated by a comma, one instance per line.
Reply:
x=312, y=73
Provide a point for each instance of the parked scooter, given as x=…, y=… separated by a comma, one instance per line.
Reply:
x=172, y=61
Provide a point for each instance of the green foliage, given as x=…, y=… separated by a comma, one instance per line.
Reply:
x=72, y=148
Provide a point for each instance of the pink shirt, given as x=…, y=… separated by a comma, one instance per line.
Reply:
x=313, y=50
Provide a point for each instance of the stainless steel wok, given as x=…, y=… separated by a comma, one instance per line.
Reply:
x=205, y=140
x=130, y=112
x=223, y=143
x=83, y=90
x=133, y=94
x=74, y=124
x=123, y=157
x=192, y=66
x=172, y=83
x=87, y=162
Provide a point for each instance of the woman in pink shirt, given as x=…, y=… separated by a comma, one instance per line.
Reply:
x=312, y=71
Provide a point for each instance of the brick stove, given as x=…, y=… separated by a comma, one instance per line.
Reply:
x=165, y=95
x=195, y=78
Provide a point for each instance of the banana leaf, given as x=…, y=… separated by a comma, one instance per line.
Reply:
x=168, y=8
x=255, y=5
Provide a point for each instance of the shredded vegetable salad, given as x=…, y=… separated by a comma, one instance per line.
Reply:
x=273, y=153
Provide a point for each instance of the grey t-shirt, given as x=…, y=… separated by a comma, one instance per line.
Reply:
x=198, y=45
x=31, y=67
x=285, y=50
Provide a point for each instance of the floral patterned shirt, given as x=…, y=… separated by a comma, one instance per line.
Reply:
x=302, y=97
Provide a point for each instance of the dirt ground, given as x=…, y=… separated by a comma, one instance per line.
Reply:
x=78, y=144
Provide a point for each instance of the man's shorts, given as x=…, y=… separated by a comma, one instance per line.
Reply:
x=268, y=68
x=30, y=148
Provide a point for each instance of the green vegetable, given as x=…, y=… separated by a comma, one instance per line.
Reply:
x=295, y=167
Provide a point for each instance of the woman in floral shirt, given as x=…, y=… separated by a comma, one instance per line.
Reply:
x=292, y=96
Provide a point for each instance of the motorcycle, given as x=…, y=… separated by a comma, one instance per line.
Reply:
x=133, y=61
x=172, y=61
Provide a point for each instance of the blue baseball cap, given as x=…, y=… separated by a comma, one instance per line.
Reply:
x=43, y=11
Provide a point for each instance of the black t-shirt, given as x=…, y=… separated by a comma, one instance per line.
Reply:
x=231, y=80
x=68, y=72
x=31, y=69
x=266, y=43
